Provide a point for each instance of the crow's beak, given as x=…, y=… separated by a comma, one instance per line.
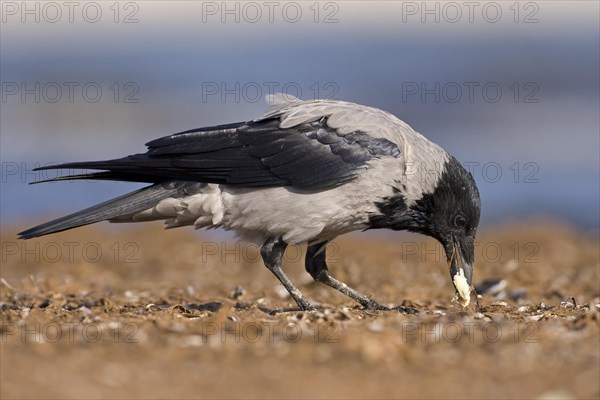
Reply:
x=461, y=273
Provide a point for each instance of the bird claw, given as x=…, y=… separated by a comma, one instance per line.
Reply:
x=302, y=306
x=374, y=306
x=308, y=307
x=405, y=310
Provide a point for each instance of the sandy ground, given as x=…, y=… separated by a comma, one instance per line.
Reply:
x=136, y=312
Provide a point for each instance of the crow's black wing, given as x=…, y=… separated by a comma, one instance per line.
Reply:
x=259, y=153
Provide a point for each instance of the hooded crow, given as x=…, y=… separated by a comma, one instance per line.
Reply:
x=304, y=172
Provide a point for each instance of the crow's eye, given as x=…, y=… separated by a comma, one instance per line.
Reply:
x=460, y=221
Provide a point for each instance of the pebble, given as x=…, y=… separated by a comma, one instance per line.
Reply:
x=567, y=304
x=491, y=286
x=44, y=304
x=375, y=326
x=89, y=313
x=516, y=295
x=131, y=296
x=237, y=292
x=536, y=317
x=190, y=290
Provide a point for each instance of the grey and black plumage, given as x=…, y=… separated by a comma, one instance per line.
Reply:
x=304, y=172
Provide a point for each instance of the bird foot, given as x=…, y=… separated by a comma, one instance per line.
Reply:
x=405, y=310
x=372, y=305
x=302, y=306
x=306, y=305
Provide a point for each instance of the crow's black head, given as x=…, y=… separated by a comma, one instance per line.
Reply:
x=450, y=214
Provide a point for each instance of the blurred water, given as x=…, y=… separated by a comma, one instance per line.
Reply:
x=534, y=148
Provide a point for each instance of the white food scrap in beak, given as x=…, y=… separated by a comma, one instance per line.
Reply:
x=462, y=288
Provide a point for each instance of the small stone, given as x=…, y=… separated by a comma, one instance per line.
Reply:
x=89, y=313
x=152, y=306
x=567, y=304
x=516, y=295
x=131, y=296
x=213, y=306
x=242, y=306
x=535, y=317
x=44, y=304
x=375, y=327
x=237, y=293
x=491, y=286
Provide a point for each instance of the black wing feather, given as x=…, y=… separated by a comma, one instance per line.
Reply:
x=250, y=154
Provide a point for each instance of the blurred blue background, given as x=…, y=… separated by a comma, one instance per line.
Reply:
x=512, y=90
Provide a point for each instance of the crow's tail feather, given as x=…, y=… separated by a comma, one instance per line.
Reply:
x=129, y=203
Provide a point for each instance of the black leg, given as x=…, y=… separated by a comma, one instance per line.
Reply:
x=272, y=253
x=317, y=268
